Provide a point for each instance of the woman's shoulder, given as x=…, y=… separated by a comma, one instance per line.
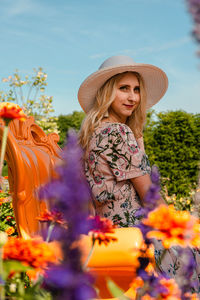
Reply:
x=107, y=127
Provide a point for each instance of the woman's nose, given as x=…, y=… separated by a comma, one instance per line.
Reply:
x=132, y=96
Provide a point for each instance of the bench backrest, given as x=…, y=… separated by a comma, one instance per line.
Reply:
x=31, y=156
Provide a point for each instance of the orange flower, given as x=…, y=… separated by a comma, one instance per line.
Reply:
x=192, y=296
x=172, y=290
x=147, y=252
x=10, y=111
x=100, y=228
x=173, y=227
x=10, y=230
x=51, y=216
x=137, y=283
x=32, y=252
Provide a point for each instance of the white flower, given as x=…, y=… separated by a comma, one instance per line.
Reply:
x=3, y=238
x=13, y=287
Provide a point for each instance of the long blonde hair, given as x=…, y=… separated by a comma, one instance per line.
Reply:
x=104, y=98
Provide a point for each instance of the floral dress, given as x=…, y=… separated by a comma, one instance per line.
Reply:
x=112, y=159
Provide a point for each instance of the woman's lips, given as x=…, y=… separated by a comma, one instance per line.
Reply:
x=129, y=106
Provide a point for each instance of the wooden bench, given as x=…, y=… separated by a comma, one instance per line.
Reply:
x=31, y=156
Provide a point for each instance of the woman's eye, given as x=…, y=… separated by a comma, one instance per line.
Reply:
x=124, y=88
x=137, y=89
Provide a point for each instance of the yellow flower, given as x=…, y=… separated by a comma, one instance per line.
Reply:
x=10, y=111
x=10, y=230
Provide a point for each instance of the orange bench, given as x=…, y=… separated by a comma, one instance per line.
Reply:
x=31, y=156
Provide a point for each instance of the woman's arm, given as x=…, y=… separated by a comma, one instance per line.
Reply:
x=141, y=185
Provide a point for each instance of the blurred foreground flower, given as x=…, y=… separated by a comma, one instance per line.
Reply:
x=100, y=229
x=166, y=289
x=173, y=227
x=8, y=112
x=194, y=9
x=70, y=194
x=32, y=252
x=11, y=111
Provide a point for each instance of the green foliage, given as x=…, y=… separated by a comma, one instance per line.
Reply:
x=5, y=169
x=35, y=103
x=115, y=290
x=10, y=265
x=7, y=219
x=172, y=142
x=182, y=203
x=67, y=122
x=19, y=285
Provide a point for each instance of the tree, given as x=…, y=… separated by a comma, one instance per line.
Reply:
x=65, y=122
x=172, y=142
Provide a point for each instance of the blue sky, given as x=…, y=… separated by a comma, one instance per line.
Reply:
x=71, y=38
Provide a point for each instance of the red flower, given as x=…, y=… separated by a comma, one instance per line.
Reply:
x=101, y=227
x=10, y=111
x=51, y=216
x=9, y=218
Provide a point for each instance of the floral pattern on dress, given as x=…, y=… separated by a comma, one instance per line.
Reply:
x=112, y=159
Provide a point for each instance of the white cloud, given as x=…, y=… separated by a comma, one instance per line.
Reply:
x=148, y=49
x=19, y=7
x=158, y=48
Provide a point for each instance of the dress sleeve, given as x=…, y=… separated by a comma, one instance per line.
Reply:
x=123, y=154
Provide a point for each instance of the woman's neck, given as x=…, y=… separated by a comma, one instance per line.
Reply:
x=113, y=119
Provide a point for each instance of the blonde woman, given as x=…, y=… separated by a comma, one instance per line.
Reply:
x=115, y=99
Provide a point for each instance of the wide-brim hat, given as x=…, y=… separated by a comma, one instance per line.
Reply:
x=155, y=80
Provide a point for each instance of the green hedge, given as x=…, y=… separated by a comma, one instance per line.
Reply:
x=66, y=122
x=172, y=142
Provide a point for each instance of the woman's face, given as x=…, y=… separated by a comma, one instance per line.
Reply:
x=127, y=98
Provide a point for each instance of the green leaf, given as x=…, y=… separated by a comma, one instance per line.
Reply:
x=115, y=290
x=14, y=265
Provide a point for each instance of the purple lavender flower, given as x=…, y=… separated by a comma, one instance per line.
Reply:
x=194, y=9
x=155, y=288
x=69, y=194
x=187, y=282
x=153, y=194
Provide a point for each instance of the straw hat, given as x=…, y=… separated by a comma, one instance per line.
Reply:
x=155, y=80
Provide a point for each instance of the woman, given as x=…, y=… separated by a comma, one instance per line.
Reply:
x=115, y=99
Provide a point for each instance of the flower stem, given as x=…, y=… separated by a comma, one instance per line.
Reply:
x=50, y=229
x=88, y=257
x=3, y=148
x=2, y=291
